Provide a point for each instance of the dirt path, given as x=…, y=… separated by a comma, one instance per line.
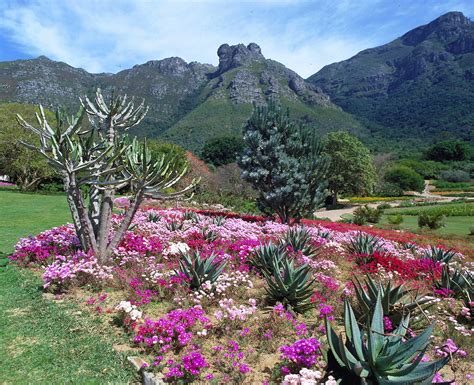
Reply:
x=336, y=215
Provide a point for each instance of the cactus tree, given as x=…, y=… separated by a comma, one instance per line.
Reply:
x=101, y=157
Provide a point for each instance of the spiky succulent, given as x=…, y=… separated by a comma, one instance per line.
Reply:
x=292, y=286
x=460, y=283
x=191, y=216
x=175, y=225
x=364, y=244
x=373, y=357
x=437, y=254
x=209, y=235
x=154, y=217
x=218, y=221
x=394, y=300
x=199, y=270
x=266, y=256
x=324, y=234
x=299, y=239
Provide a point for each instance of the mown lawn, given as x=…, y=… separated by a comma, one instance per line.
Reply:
x=452, y=225
x=44, y=341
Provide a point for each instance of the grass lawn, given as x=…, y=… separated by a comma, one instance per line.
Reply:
x=44, y=341
x=453, y=225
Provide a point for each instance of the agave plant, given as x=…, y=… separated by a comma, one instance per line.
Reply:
x=218, y=221
x=364, y=244
x=372, y=357
x=191, y=216
x=436, y=254
x=175, y=225
x=394, y=304
x=460, y=283
x=291, y=286
x=299, y=239
x=199, y=270
x=267, y=256
x=153, y=217
x=209, y=235
x=324, y=234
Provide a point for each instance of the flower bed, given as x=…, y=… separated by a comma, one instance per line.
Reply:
x=229, y=329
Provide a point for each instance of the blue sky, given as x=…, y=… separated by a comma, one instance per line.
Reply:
x=111, y=35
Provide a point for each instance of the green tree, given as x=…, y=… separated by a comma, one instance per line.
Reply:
x=25, y=167
x=449, y=150
x=222, y=150
x=171, y=151
x=352, y=169
x=405, y=178
x=284, y=162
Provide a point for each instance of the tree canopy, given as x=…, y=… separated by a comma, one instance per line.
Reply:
x=284, y=162
x=352, y=169
x=222, y=150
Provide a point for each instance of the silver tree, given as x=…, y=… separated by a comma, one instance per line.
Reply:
x=104, y=159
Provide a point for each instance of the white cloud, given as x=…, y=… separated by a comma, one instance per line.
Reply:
x=110, y=35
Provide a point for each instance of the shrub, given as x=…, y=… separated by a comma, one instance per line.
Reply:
x=405, y=178
x=448, y=151
x=222, y=150
x=367, y=214
x=433, y=221
x=455, y=176
x=384, y=206
x=395, y=219
x=471, y=230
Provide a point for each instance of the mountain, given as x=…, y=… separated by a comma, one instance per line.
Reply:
x=189, y=102
x=417, y=88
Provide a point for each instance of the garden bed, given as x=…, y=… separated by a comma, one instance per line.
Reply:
x=232, y=329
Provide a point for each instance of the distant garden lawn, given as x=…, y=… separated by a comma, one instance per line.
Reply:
x=42, y=341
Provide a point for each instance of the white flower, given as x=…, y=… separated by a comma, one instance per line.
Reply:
x=135, y=314
x=177, y=248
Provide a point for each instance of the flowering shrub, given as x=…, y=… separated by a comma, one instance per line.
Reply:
x=220, y=332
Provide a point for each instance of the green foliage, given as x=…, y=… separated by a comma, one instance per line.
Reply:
x=449, y=151
x=352, y=171
x=459, y=283
x=267, y=256
x=461, y=186
x=284, y=163
x=433, y=221
x=25, y=167
x=171, y=152
x=153, y=217
x=455, y=176
x=426, y=168
x=437, y=254
x=365, y=213
x=364, y=245
x=394, y=300
x=405, y=178
x=452, y=209
x=289, y=285
x=299, y=240
x=199, y=270
x=395, y=219
x=222, y=150
x=372, y=357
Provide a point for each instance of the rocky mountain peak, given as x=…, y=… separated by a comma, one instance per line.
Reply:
x=444, y=28
x=232, y=56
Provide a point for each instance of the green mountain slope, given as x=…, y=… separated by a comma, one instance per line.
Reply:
x=418, y=88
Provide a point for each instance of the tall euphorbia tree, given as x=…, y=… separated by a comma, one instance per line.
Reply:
x=103, y=158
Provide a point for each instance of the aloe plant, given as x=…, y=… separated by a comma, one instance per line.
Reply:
x=460, y=283
x=191, y=216
x=364, y=244
x=267, y=256
x=174, y=225
x=394, y=302
x=299, y=239
x=218, y=221
x=292, y=286
x=209, y=235
x=199, y=270
x=153, y=217
x=437, y=254
x=372, y=357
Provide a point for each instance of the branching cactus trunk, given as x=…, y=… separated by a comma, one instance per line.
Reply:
x=103, y=159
